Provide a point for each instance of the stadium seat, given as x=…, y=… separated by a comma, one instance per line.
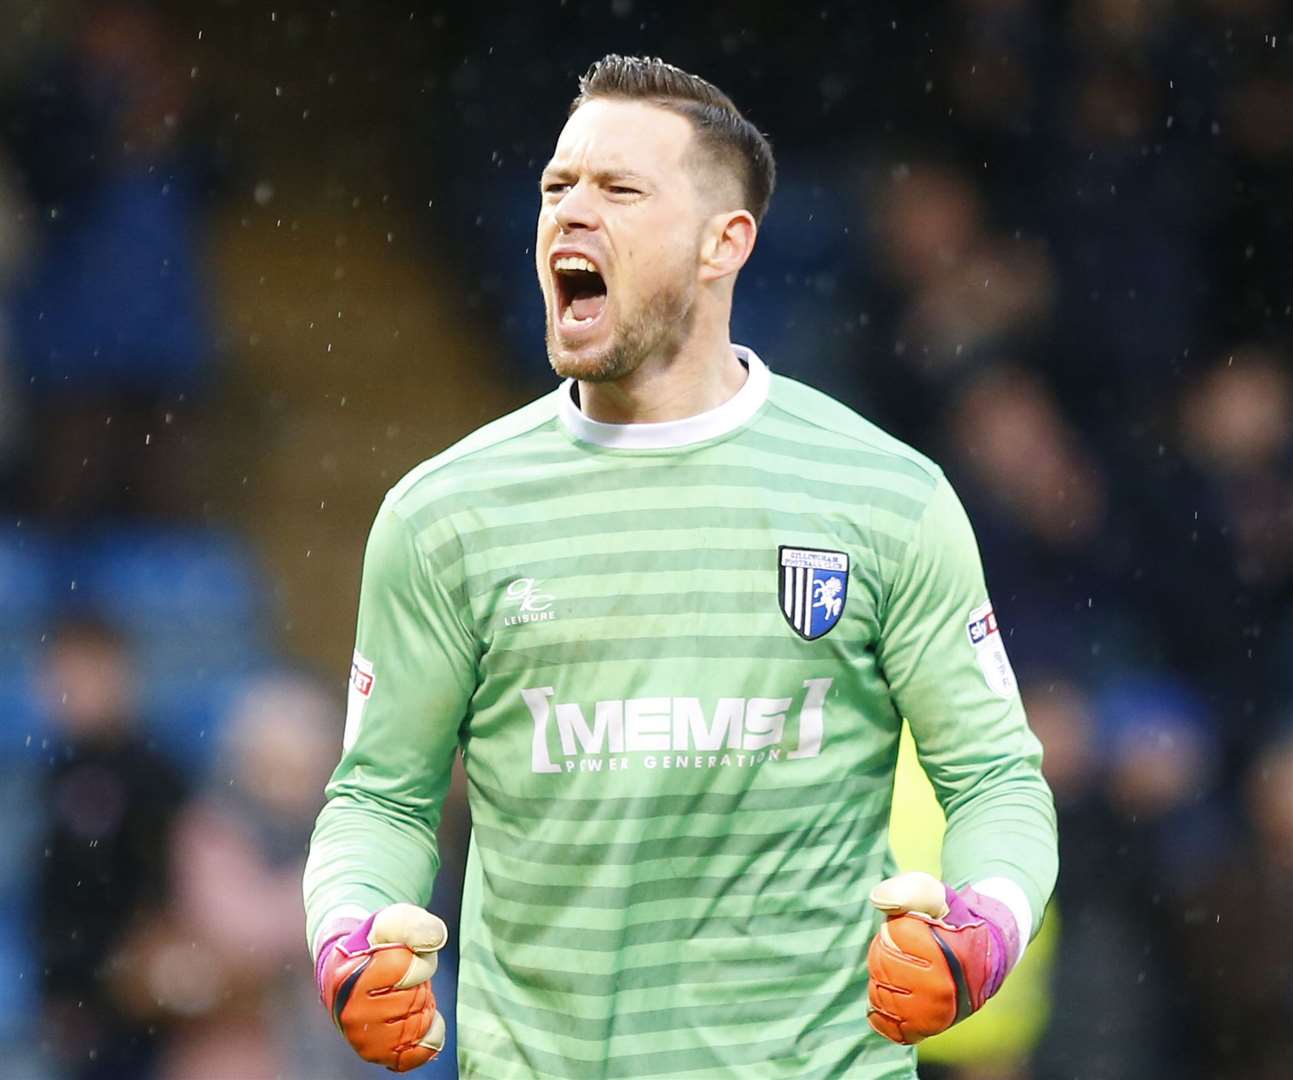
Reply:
x=22, y=727
x=188, y=600
x=791, y=292
x=27, y=603
x=185, y=713
x=190, y=603
x=21, y=817
x=169, y=580
x=26, y=578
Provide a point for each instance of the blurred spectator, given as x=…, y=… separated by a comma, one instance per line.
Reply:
x=1237, y=432
x=229, y=965
x=111, y=329
x=1124, y=214
x=1251, y=244
x=14, y=246
x=1241, y=976
x=1042, y=506
x=960, y=294
x=1099, y=942
x=1132, y=771
x=1221, y=509
x=111, y=801
x=991, y=75
x=1010, y=436
x=1162, y=766
x=965, y=286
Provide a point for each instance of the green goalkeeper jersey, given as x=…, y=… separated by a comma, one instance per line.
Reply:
x=675, y=658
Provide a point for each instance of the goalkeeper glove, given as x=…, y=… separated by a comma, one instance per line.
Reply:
x=938, y=957
x=375, y=979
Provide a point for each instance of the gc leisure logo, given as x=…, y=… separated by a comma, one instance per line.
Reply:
x=531, y=604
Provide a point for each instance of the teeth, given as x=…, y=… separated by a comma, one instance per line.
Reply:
x=574, y=262
x=569, y=316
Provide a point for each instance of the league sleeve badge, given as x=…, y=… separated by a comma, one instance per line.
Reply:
x=990, y=650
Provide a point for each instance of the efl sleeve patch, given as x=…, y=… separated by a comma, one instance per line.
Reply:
x=990, y=651
x=360, y=690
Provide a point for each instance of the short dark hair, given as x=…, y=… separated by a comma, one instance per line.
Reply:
x=722, y=133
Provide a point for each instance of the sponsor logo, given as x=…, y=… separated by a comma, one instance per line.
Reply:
x=361, y=678
x=532, y=604
x=674, y=732
x=980, y=626
x=990, y=651
x=813, y=588
x=362, y=681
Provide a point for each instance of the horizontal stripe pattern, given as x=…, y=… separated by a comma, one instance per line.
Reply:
x=788, y=1055
x=631, y=935
x=690, y=806
x=677, y=478
x=546, y=528
x=592, y=989
x=638, y=852
x=748, y=1011
x=698, y=921
x=680, y=890
x=573, y=653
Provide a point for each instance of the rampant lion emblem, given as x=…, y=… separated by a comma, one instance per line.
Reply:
x=813, y=587
x=826, y=595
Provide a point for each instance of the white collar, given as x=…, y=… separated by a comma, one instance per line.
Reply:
x=729, y=416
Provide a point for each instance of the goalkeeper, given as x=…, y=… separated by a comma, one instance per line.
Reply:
x=672, y=615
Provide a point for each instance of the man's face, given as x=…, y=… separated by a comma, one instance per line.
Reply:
x=618, y=239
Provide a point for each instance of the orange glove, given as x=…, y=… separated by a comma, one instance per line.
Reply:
x=938, y=957
x=375, y=979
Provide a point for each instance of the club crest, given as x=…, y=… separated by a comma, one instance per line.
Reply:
x=814, y=586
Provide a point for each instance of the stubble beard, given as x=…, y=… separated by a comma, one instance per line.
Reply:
x=658, y=328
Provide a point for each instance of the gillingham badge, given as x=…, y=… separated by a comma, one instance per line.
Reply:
x=814, y=586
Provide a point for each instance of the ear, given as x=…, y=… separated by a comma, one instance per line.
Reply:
x=726, y=243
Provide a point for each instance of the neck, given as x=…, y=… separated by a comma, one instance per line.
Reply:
x=699, y=376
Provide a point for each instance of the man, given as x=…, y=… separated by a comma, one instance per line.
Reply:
x=112, y=802
x=673, y=614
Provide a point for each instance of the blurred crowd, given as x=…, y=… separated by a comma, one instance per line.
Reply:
x=161, y=765
x=1051, y=245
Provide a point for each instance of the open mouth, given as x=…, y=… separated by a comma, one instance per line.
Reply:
x=580, y=291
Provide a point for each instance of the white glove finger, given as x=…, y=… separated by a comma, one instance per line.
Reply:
x=408, y=924
x=434, y=1038
x=914, y=891
x=421, y=967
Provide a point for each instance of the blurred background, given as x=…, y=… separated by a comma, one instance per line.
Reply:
x=258, y=260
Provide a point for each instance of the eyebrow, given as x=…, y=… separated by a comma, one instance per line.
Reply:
x=601, y=176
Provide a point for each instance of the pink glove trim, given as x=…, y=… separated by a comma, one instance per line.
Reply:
x=966, y=907
x=342, y=928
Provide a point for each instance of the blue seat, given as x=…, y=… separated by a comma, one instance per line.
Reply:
x=800, y=284
x=185, y=715
x=26, y=578
x=28, y=601
x=21, y=822
x=169, y=581
x=190, y=604
x=22, y=724
x=23, y=979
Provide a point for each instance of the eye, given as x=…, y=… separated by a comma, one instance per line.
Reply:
x=620, y=189
x=555, y=187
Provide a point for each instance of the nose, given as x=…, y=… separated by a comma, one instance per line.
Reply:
x=575, y=209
